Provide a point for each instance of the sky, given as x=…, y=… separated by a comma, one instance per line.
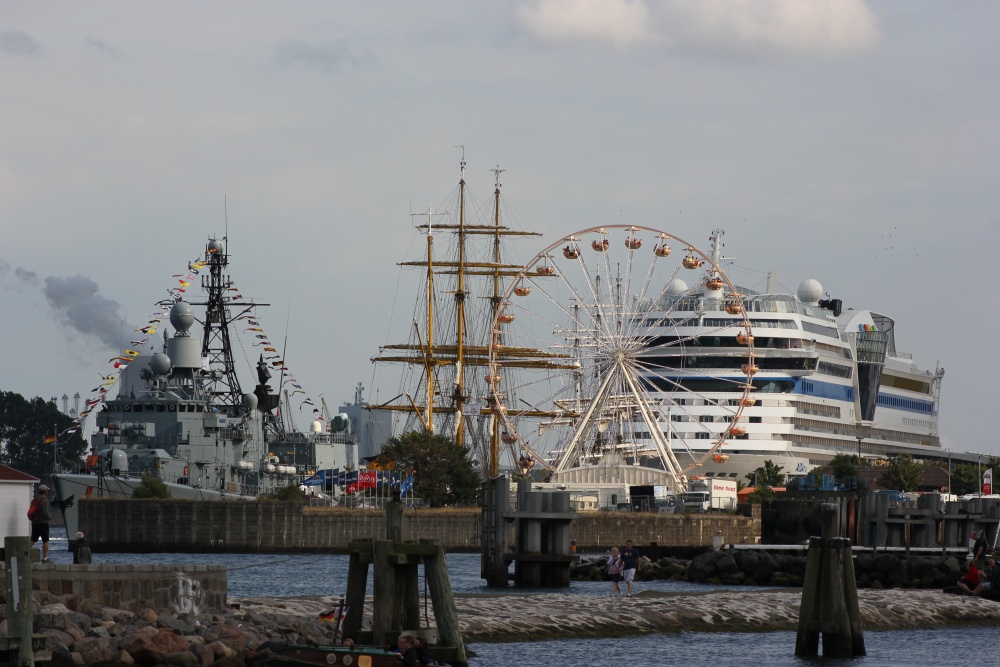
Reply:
x=854, y=142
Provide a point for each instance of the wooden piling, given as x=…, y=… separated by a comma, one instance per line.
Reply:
x=17, y=559
x=829, y=604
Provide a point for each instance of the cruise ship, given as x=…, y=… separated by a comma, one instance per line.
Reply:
x=656, y=369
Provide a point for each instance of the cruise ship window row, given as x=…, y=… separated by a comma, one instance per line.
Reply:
x=901, y=403
x=880, y=435
x=836, y=370
x=817, y=409
x=908, y=384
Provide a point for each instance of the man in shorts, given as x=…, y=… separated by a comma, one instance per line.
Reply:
x=40, y=526
x=630, y=564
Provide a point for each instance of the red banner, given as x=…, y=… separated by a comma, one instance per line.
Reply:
x=367, y=479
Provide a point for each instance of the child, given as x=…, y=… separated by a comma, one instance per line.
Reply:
x=615, y=572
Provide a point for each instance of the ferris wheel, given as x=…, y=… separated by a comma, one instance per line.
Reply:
x=608, y=338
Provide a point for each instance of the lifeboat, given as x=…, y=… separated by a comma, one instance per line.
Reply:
x=744, y=338
x=522, y=290
x=508, y=438
x=661, y=250
x=720, y=458
x=506, y=318
x=738, y=431
x=734, y=308
x=546, y=270
x=691, y=262
x=749, y=369
x=749, y=402
x=633, y=243
x=600, y=246
x=714, y=283
x=570, y=252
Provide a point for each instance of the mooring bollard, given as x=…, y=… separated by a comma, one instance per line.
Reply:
x=829, y=596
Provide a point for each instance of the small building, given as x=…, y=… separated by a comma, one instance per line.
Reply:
x=16, y=491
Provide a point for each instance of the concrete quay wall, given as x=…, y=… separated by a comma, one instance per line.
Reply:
x=274, y=527
x=194, y=589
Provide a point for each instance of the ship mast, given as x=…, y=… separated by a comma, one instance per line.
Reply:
x=459, y=396
x=216, y=346
x=494, y=463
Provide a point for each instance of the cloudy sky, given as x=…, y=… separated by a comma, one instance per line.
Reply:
x=852, y=142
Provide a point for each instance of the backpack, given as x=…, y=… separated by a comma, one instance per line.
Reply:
x=33, y=509
x=83, y=556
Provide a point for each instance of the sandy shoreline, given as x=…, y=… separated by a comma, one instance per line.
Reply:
x=499, y=618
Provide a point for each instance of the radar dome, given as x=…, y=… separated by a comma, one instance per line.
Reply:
x=810, y=291
x=215, y=246
x=182, y=316
x=317, y=427
x=160, y=364
x=676, y=287
x=249, y=401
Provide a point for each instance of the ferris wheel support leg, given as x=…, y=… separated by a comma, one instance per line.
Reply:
x=666, y=454
x=584, y=424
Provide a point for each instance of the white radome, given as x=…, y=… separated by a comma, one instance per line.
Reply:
x=810, y=291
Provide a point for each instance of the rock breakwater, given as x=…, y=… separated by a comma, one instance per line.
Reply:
x=94, y=635
x=763, y=568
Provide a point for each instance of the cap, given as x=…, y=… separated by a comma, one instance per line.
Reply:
x=42, y=487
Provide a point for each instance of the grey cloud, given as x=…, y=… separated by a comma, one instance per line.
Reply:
x=105, y=48
x=327, y=58
x=20, y=43
x=27, y=276
x=76, y=300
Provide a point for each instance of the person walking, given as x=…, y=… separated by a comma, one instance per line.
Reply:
x=630, y=564
x=40, y=517
x=615, y=572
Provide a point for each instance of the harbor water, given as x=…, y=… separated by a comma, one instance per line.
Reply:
x=269, y=575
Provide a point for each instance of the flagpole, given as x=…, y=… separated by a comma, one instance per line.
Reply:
x=55, y=449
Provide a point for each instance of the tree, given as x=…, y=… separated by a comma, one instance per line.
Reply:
x=845, y=465
x=768, y=475
x=964, y=479
x=25, y=424
x=151, y=488
x=903, y=474
x=290, y=493
x=442, y=471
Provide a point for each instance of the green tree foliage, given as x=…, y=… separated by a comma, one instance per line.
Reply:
x=443, y=473
x=965, y=479
x=845, y=465
x=151, y=488
x=290, y=493
x=768, y=475
x=24, y=424
x=903, y=474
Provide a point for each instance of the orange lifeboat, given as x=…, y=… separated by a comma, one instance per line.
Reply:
x=546, y=270
x=734, y=308
x=744, y=338
x=569, y=252
x=691, y=262
x=506, y=318
x=633, y=243
x=738, y=431
x=720, y=458
x=661, y=250
x=600, y=245
x=749, y=402
x=714, y=283
x=522, y=290
x=749, y=369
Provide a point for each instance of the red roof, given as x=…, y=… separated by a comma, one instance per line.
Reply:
x=8, y=474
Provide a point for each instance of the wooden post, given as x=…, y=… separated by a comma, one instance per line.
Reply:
x=385, y=602
x=17, y=558
x=357, y=583
x=445, y=614
x=394, y=520
x=829, y=596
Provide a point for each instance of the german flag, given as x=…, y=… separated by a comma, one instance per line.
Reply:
x=49, y=439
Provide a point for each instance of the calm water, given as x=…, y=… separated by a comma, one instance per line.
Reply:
x=263, y=575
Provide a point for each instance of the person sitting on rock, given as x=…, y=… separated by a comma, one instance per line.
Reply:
x=970, y=580
x=992, y=579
